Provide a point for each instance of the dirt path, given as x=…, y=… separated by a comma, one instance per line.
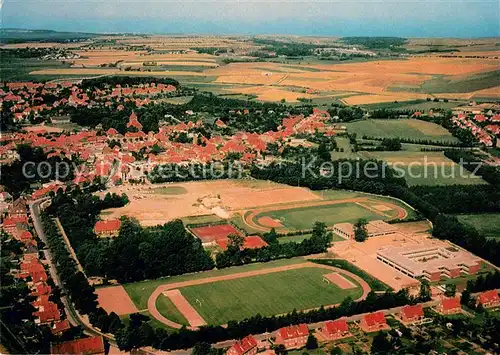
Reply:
x=176, y=285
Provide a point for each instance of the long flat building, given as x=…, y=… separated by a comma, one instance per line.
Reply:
x=374, y=229
x=431, y=263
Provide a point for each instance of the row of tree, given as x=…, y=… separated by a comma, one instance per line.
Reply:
x=237, y=255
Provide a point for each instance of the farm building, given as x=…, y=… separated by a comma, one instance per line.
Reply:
x=92, y=345
x=431, y=263
x=109, y=228
x=293, y=337
x=373, y=322
x=488, y=299
x=374, y=229
x=449, y=306
x=246, y=346
x=335, y=329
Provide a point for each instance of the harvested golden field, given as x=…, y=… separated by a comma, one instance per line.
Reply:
x=44, y=45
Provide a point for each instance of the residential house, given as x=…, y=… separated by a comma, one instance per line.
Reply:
x=449, y=306
x=109, y=228
x=335, y=329
x=412, y=314
x=488, y=299
x=246, y=346
x=292, y=337
x=373, y=322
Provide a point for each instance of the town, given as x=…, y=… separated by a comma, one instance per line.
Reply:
x=148, y=209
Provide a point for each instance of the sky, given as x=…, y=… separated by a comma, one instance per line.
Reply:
x=404, y=18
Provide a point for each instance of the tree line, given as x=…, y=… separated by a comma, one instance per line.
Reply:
x=237, y=255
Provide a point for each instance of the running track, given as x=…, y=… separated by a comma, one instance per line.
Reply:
x=162, y=288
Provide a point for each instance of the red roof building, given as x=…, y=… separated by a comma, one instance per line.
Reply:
x=292, y=337
x=251, y=242
x=410, y=314
x=449, y=306
x=93, y=345
x=335, y=329
x=246, y=346
x=47, y=312
x=60, y=326
x=109, y=228
x=373, y=322
x=488, y=299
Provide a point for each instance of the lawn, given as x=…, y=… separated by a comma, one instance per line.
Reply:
x=139, y=292
x=304, y=217
x=487, y=224
x=168, y=309
x=299, y=238
x=270, y=294
x=403, y=128
x=374, y=283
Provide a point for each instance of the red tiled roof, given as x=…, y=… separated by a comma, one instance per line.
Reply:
x=61, y=326
x=244, y=345
x=450, y=303
x=107, y=226
x=293, y=331
x=336, y=326
x=488, y=296
x=375, y=318
x=93, y=345
x=411, y=312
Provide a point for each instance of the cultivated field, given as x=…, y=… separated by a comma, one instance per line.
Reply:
x=425, y=168
x=403, y=128
x=486, y=223
x=461, y=76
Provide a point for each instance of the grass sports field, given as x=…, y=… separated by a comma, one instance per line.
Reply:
x=265, y=294
x=335, y=206
x=139, y=292
x=300, y=218
x=404, y=128
x=486, y=223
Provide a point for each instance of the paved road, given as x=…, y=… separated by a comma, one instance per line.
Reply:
x=74, y=318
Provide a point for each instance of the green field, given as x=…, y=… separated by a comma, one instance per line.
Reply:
x=303, y=217
x=299, y=238
x=170, y=190
x=139, y=292
x=168, y=309
x=270, y=294
x=425, y=168
x=486, y=223
x=403, y=128
x=421, y=105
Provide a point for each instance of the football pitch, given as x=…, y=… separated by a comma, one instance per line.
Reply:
x=268, y=294
x=303, y=217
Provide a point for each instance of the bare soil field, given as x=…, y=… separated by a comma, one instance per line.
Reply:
x=202, y=198
x=115, y=299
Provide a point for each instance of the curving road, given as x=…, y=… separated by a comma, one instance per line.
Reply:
x=162, y=288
